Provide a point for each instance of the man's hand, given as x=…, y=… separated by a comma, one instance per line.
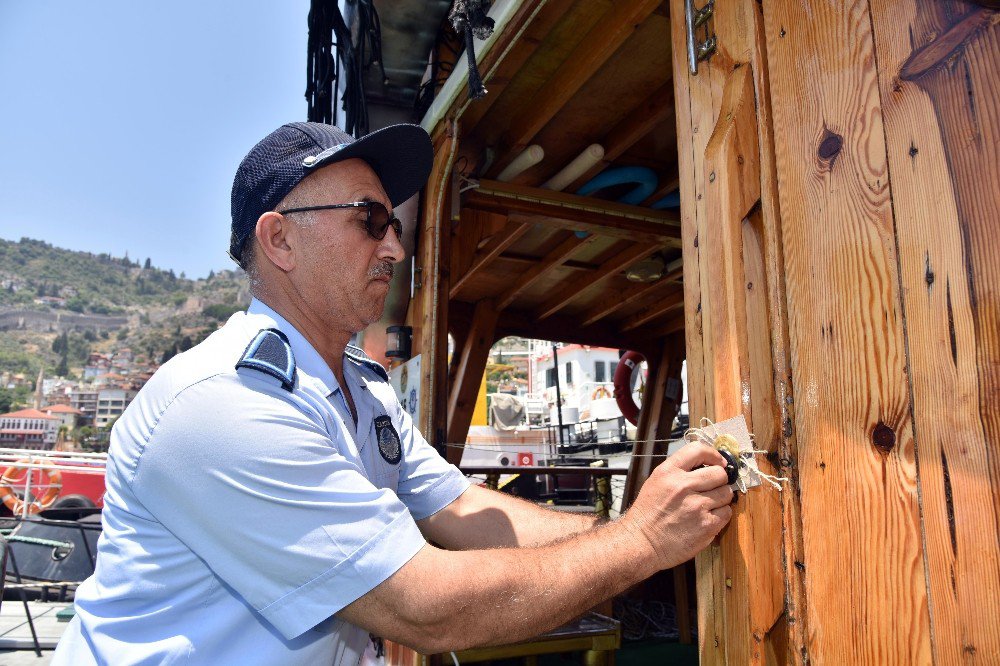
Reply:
x=683, y=505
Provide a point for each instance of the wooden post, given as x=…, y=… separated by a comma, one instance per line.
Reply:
x=431, y=334
x=470, y=362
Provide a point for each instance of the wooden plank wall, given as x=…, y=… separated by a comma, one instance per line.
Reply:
x=875, y=242
x=938, y=67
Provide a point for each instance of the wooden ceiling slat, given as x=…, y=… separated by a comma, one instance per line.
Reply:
x=493, y=248
x=576, y=213
x=614, y=301
x=600, y=43
x=549, y=262
x=577, y=285
x=670, y=325
x=652, y=311
x=655, y=109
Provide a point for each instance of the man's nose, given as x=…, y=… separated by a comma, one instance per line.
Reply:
x=390, y=248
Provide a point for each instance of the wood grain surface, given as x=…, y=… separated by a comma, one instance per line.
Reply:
x=863, y=558
x=939, y=64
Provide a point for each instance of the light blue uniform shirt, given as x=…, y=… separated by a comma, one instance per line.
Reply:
x=240, y=516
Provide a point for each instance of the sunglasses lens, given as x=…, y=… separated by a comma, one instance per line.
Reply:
x=379, y=222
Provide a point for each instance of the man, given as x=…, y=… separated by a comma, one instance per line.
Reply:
x=268, y=501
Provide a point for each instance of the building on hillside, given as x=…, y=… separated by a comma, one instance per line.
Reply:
x=111, y=402
x=52, y=301
x=85, y=399
x=97, y=364
x=68, y=415
x=57, y=391
x=29, y=429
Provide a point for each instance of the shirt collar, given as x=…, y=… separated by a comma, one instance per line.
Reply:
x=307, y=359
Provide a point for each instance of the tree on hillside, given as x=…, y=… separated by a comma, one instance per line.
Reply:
x=6, y=400
x=169, y=353
x=61, y=344
x=148, y=264
x=63, y=368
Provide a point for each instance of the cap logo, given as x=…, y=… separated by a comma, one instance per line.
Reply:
x=313, y=159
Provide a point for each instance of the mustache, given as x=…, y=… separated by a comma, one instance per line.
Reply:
x=381, y=269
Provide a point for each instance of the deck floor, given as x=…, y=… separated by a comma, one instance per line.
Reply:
x=16, y=646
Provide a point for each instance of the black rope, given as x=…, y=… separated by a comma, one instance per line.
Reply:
x=332, y=52
x=469, y=17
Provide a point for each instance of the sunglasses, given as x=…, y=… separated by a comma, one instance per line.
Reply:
x=377, y=221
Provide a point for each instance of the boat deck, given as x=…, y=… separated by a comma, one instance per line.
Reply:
x=16, y=645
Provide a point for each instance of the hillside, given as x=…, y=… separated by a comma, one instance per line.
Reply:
x=100, y=303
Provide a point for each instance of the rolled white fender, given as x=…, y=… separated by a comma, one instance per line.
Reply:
x=590, y=156
x=531, y=156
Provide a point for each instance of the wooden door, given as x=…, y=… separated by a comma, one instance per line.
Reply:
x=840, y=182
x=736, y=348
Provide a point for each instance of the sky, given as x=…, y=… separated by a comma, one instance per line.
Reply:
x=122, y=122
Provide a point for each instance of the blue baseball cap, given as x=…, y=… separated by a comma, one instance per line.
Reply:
x=400, y=155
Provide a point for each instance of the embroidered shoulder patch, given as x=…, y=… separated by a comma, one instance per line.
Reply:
x=358, y=355
x=388, y=440
x=269, y=352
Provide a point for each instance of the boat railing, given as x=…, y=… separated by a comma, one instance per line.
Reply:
x=79, y=462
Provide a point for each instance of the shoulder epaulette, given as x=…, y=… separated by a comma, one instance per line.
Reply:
x=358, y=355
x=269, y=352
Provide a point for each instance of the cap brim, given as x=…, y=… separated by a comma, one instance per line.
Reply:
x=400, y=155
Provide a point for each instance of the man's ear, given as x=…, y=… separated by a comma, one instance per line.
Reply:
x=274, y=233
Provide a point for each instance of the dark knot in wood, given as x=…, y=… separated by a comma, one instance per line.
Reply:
x=830, y=145
x=883, y=437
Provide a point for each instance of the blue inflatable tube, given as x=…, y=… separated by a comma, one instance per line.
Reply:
x=645, y=180
x=672, y=200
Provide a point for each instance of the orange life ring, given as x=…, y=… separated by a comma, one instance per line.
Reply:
x=15, y=474
x=623, y=385
x=600, y=392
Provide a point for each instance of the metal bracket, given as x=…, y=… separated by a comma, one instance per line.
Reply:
x=696, y=18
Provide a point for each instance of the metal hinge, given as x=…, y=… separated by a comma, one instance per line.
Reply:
x=696, y=18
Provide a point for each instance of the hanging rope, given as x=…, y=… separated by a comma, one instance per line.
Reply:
x=469, y=17
x=332, y=51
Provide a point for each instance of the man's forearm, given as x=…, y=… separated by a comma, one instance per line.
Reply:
x=455, y=600
x=483, y=518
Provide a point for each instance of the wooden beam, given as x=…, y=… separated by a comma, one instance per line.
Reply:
x=471, y=361
x=600, y=43
x=652, y=311
x=572, y=264
x=546, y=265
x=577, y=285
x=431, y=338
x=674, y=324
x=499, y=242
x=576, y=213
x=565, y=328
x=655, y=109
x=614, y=301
